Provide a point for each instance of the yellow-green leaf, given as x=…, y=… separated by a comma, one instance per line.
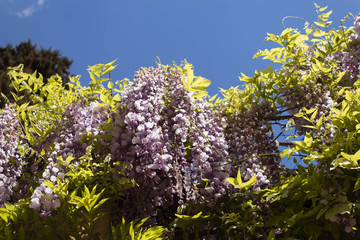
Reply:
x=341, y=208
x=249, y=183
x=357, y=185
x=313, y=115
x=110, y=85
x=201, y=83
x=69, y=159
x=106, y=66
x=301, y=39
x=108, y=70
x=340, y=77
x=309, y=111
x=200, y=94
x=189, y=73
x=237, y=183
x=92, y=76
x=323, y=9
x=320, y=24
x=116, y=98
x=186, y=217
x=299, y=115
x=319, y=122
x=352, y=158
x=325, y=16
x=349, y=96
x=285, y=152
x=271, y=235
x=319, y=33
x=308, y=140
x=103, y=98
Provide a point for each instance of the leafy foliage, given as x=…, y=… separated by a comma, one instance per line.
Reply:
x=46, y=62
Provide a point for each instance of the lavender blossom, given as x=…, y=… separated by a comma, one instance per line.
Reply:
x=67, y=140
x=10, y=158
x=249, y=138
x=168, y=157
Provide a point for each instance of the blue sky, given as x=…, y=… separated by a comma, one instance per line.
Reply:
x=219, y=37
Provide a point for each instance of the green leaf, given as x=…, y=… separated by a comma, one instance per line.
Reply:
x=110, y=85
x=189, y=73
x=200, y=94
x=313, y=115
x=341, y=208
x=323, y=9
x=108, y=65
x=318, y=33
x=271, y=235
x=286, y=152
x=49, y=184
x=320, y=24
x=104, y=98
x=69, y=159
x=107, y=127
x=108, y=70
x=232, y=181
x=212, y=98
x=319, y=122
x=299, y=115
x=30, y=137
x=86, y=191
x=299, y=40
x=37, y=130
x=237, y=183
x=349, y=96
x=357, y=185
x=325, y=16
x=352, y=158
x=4, y=215
x=285, y=33
x=116, y=98
x=340, y=77
x=308, y=140
x=200, y=83
x=186, y=217
x=92, y=76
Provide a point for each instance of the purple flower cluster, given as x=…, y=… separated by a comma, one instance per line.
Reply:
x=80, y=119
x=10, y=158
x=44, y=200
x=349, y=58
x=310, y=96
x=249, y=139
x=172, y=144
x=67, y=140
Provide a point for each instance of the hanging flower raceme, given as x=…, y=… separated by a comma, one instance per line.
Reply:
x=174, y=146
x=251, y=144
x=10, y=158
x=348, y=59
x=80, y=120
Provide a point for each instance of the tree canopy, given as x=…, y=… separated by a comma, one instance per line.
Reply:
x=47, y=62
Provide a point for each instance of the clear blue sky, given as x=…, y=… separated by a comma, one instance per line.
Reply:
x=219, y=37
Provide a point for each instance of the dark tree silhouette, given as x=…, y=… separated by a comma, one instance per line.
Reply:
x=47, y=62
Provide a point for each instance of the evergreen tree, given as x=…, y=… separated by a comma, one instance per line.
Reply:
x=44, y=61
